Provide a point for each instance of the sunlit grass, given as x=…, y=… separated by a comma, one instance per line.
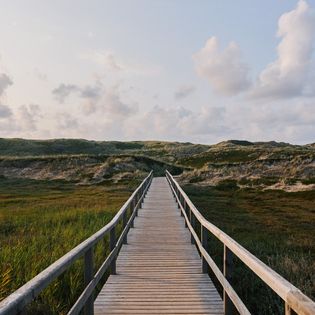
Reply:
x=276, y=226
x=40, y=222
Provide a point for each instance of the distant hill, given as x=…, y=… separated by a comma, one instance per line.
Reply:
x=22, y=147
x=247, y=163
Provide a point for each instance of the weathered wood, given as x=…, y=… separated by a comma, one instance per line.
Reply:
x=298, y=302
x=88, y=276
x=204, y=242
x=227, y=271
x=159, y=271
x=112, y=244
x=124, y=225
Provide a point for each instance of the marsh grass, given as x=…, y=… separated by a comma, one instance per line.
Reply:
x=276, y=226
x=40, y=221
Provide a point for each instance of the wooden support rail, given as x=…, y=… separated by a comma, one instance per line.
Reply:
x=18, y=300
x=295, y=301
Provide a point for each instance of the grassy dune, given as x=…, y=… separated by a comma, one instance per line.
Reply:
x=41, y=221
x=276, y=226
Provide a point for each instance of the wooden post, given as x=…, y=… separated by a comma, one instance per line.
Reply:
x=192, y=222
x=131, y=212
x=140, y=195
x=136, y=204
x=227, y=271
x=185, y=209
x=112, y=244
x=88, y=276
x=204, y=242
x=287, y=309
x=124, y=225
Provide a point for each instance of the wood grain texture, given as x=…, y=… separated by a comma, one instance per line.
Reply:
x=159, y=271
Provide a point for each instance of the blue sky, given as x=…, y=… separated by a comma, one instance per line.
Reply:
x=200, y=71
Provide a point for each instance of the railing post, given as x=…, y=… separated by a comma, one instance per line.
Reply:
x=88, y=276
x=140, y=196
x=131, y=206
x=185, y=209
x=112, y=244
x=136, y=203
x=124, y=225
x=227, y=271
x=204, y=242
x=288, y=310
x=184, y=204
x=192, y=222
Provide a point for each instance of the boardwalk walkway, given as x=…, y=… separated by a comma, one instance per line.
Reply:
x=159, y=270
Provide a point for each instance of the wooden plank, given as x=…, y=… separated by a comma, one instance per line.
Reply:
x=159, y=271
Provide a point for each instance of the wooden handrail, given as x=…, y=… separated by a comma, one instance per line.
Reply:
x=294, y=299
x=18, y=300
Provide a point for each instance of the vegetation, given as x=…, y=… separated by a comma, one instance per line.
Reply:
x=40, y=221
x=24, y=147
x=56, y=193
x=276, y=226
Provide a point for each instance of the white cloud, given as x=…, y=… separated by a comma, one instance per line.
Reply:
x=183, y=91
x=118, y=65
x=66, y=121
x=97, y=99
x=27, y=116
x=5, y=82
x=288, y=75
x=104, y=58
x=114, y=107
x=176, y=123
x=63, y=91
x=225, y=70
x=5, y=111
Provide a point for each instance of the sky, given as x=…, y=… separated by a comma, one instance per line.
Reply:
x=200, y=71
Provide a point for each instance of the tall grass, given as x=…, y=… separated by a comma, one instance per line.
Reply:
x=276, y=226
x=41, y=221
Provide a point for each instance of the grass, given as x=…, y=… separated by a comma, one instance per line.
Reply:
x=40, y=221
x=227, y=156
x=276, y=226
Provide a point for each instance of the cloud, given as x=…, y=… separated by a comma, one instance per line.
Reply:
x=66, y=121
x=225, y=70
x=104, y=58
x=5, y=111
x=288, y=75
x=5, y=82
x=117, y=65
x=176, y=123
x=27, y=116
x=184, y=91
x=97, y=99
x=115, y=107
x=63, y=91
x=90, y=93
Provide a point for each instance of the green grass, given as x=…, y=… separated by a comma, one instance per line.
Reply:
x=40, y=221
x=227, y=156
x=276, y=226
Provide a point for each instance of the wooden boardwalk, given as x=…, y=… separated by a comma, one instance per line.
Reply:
x=159, y=271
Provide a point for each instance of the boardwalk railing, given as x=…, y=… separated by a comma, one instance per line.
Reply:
x=17, y=301
x=295, y=301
